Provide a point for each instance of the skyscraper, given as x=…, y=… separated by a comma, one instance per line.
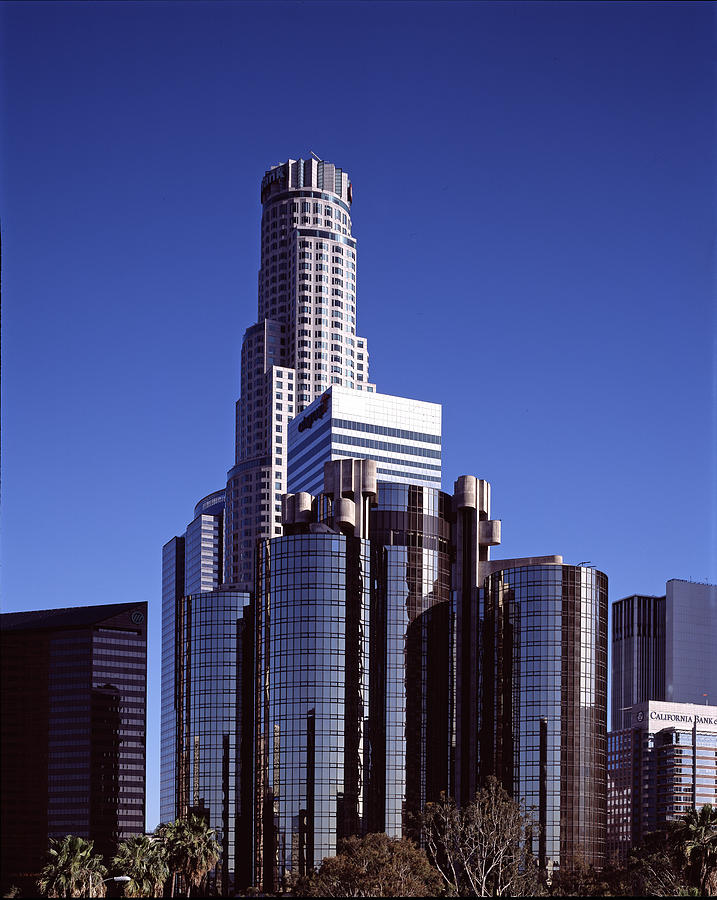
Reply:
x=690, y=641
x=663, y=648
x=305, y=340
x=74, y=687
x=191, y=564
x=382, y=658
x=207, y=696
x=638, y=655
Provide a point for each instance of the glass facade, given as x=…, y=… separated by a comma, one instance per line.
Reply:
x=544, y=702
x=172, y=593
x=312, y=645
x=352, y=693
x=638, y=655
x=213, y=663
x=410, y=531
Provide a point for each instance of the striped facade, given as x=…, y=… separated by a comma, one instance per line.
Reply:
x=402, y=436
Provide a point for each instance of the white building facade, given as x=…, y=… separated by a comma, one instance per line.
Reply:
x=402, y=436
x=305, y=340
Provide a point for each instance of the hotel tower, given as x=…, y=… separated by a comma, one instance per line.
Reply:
x=338, y=646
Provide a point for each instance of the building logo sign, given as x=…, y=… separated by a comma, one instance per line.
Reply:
x=278, y=174
x=137, y=617
x=315, y=414
x=640, y=716
x=683, y=717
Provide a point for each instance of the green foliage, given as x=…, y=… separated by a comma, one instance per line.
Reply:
x=72, y=870
x=373, y=866
x=697, y=835
x=580, y=879
x=678, y=860
x=143, y=859
x=191, y=850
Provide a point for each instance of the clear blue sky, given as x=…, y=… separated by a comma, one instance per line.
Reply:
x=534, y=205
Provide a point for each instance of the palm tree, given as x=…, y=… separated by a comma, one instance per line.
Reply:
x=72, y=870
x=192, y=849
x=171, y=835
x=143, y=859
x=697, y=832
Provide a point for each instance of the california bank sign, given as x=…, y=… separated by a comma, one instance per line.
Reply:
x=686, y=718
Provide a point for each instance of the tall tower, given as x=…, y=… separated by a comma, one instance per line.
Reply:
x=305, y=340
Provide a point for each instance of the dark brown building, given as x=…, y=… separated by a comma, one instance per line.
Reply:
x=74, y=688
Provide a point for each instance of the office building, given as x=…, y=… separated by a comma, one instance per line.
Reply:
x=691, y=638
x=207, y=693
x=191, y=564
x=402, y=436
x=305, y=340
x=638, y=655
x=74, y=684
x=663, y=648
x=661, y=765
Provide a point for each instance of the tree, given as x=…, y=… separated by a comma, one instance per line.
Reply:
x=373, y=866
x=482, y=849
x=697, y=833
x=143, y=859
x=72, y=870
x=191, y=849
x=581, y=879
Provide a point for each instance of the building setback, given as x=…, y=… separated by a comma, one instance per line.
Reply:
x=73, y=729
x=402, y=436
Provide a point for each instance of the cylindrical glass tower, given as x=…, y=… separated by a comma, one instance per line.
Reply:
x=212, y=721
x=410, y=530
x=544, y=703
x=312, y=640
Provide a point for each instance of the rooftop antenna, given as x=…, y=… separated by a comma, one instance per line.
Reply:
x=318, y=158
